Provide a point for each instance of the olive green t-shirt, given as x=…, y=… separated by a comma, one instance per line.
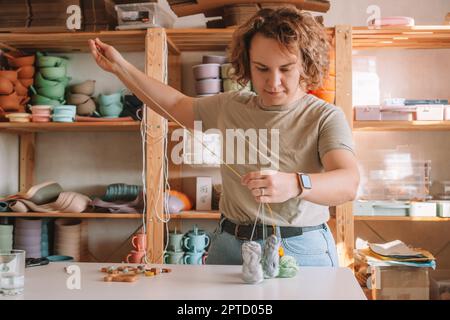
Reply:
x=307, y=129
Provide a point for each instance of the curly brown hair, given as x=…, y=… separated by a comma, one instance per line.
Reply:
x=296, y=30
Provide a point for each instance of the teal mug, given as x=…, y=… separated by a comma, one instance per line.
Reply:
x=196, y=242
x=175, y=242
x=174, y=257
x=112, y=110
x=193, y=257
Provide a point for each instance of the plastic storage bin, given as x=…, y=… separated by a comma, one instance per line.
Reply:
x=142, y=15
x=430, y=112
x=447, y=112
x=367, y=113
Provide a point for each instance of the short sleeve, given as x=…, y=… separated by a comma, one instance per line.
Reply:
x=208, y=110
x=335, y=133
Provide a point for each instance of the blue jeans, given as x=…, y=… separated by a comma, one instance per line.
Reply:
x=312, y=248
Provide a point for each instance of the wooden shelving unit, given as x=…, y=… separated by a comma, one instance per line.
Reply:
x=212, y=215
x=35, y=127
x=73, y=215
x=401, y=125
x=393, y=218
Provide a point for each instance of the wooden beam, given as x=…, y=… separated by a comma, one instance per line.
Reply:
x=27, y=142
x=200, y=6
x=343, y=42
x=156, y=67
x=344, y=214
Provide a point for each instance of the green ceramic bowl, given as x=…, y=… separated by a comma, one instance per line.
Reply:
x=53, y=73
x=37, y=99
x=40, y=81
x=55, y=92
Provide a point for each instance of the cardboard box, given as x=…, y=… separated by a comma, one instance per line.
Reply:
x=400, y=283
x=199, y=191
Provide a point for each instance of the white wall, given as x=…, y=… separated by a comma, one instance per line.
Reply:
x=87, y=162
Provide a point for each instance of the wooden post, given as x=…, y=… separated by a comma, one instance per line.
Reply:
x=27, y=143
x=344, y=213
x=156, y=67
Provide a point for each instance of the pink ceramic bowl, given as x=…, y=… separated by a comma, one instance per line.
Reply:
x=208, y=86
x=206, y=71
x=39, y=118
x=214, y=59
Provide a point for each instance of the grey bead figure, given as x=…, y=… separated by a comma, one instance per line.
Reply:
x=271, y=258
x=252, y=271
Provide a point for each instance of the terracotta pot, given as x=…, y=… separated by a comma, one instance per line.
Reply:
x=27, y=81
x=6, y=86
x=87, y=108
x=9, y=74
x=21, y=61
x=25, y=72
x=11, y=101
x=87, y=87
x=20, y=88
x=77, y=98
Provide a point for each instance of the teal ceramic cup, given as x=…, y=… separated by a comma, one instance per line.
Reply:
x=174, y=257
x=107, y=99
x=196, y=242
x=112, y=110
x=175, y=242
x=193, y=257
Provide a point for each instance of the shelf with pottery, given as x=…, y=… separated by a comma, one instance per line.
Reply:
x=393, y=218
x=73, y=215
x=72, y=126
x=401, y=125
x=193, y=214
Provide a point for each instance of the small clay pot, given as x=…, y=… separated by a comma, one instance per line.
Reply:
x=208, y=86
x=25, y=72
x=21, y=61
x=6, y=86
x=87, y=87
x=20, y=88
x=11, y=101
x=87, y=108
x=9, y=74
x=27, y=82
x=77, y=98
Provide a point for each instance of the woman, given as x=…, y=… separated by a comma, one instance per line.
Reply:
x=284, y=53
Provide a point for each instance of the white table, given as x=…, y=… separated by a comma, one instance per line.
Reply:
x=196, y=282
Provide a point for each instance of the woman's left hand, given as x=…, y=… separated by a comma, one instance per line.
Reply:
x=271, y=186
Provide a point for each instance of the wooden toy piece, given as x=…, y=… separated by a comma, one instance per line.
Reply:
x=166, y=270
x=149, y=274
x=120, y=278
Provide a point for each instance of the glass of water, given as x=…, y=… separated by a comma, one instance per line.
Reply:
x=12, y=272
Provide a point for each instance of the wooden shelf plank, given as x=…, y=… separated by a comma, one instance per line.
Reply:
x=73, y=215
x=73, y=126
x=401, y=125
x=417, y=37
x=391, y=218
x=212, y=215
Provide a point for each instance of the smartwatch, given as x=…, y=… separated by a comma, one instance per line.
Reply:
x=305, y=183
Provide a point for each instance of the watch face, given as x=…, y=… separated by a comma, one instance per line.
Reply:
x=306, y=181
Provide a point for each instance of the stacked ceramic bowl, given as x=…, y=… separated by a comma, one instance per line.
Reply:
x=6, y=237
x=207, y=76
x=81, y=96
x=14, y=84
x=50, y=80
x=111, y=105
x=64, y=113
x=68, y=237
x=28, y=236
x=41, y=113
x=121, y=192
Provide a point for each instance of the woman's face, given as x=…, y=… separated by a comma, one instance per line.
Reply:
x=275, y=72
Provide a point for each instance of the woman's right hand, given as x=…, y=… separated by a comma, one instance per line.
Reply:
x=100, y=50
